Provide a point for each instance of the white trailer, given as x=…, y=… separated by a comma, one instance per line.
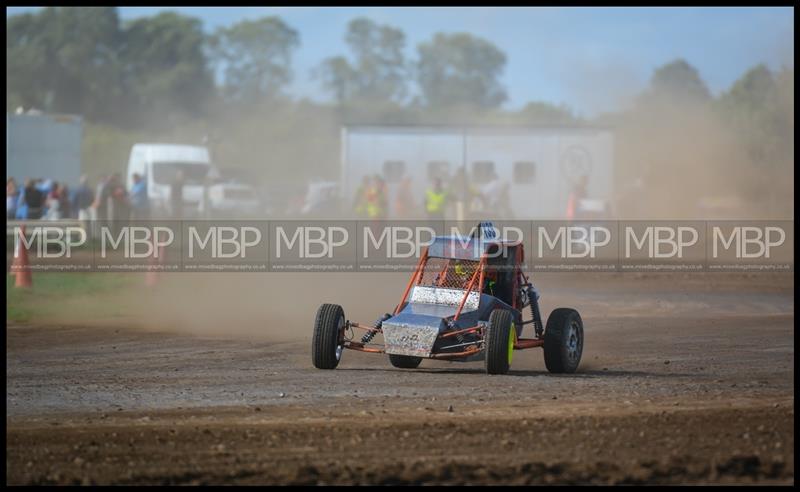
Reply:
x=541, y=165
x=44, y=146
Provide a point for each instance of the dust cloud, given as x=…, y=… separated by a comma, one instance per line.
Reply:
x=685, y=163
x=278, y=307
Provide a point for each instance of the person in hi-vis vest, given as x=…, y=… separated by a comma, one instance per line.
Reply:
x=376, y=199
x=436, y=200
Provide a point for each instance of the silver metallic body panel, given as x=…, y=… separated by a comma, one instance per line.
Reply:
x=444, y=297
x=411, y=334
x=415, y=329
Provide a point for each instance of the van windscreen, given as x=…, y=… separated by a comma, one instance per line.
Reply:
x=167, y=172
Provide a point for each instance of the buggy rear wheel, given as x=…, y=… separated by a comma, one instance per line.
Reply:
x=405, y=361
x=327, y=343
x=563, y=341
x=499, y=342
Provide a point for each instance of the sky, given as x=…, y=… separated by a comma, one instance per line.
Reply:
x=590, y=59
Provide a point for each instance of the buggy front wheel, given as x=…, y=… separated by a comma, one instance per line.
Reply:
x=563, y=341
x=327, y=343
x=499, y=342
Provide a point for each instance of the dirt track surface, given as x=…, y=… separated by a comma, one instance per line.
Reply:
x=684, y=379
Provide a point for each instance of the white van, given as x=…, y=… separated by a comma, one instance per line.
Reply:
x=159, y=165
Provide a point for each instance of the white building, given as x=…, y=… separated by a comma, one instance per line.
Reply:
x=541, y=165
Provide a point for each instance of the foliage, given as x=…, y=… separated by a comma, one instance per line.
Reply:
x=51, y=68
x=379, y=73
x=678, y=81
x=164, y=64
x=255, y=56
x=460, y=68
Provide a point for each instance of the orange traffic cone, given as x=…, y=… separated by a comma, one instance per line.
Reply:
x=21, y=267
x=571, y=206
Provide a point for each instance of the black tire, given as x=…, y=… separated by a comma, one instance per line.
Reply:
x=563, y=341
x=327, y=344
x=405, y=361
x=499, y=335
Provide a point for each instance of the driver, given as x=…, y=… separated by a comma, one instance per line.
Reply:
x=460, y=274
x=490, y=280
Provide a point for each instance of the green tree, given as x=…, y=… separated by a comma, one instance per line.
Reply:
x=678, y=81
x=759, y=109
x=65, y=60
x=24, y=62
x=754, y=108
x=164, y=64
x=339, y=78
x=379, y=72
x=255, y=56
x=457, y=69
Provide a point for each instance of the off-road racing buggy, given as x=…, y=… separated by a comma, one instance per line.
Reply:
x=464, y=302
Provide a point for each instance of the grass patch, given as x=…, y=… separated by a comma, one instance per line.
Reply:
x=52, y=293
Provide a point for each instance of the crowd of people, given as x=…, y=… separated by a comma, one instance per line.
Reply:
x=48, y=199
x=110, y=200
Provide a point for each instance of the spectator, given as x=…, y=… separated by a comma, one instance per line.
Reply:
x=12, y=195
x=45, y=186
x=436, y=200
x=22, y=207
x=494, y=197
x=34, y=200
x=82, y=199
x=577, y=195
x=53, y=203
x=383, y=196
x=360, y=202
x=119, y=206
x=140, y=207
x=63, y=201
x=404, y=199
x=375, y=199
x=58, y=205
x=100, y=204
x=465, y=195
x=176, y=196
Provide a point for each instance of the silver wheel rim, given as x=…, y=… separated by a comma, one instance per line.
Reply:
x=339, y=346
x=573, y=342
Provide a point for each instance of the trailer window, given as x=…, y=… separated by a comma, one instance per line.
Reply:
x=393, y=171
x=524, y=171
x=482, y=170
x=438, y=169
